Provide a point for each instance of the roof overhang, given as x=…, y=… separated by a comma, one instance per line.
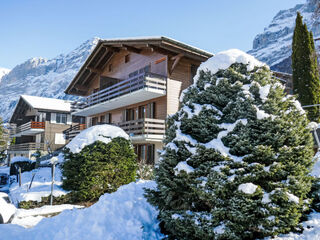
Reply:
x=105, y=49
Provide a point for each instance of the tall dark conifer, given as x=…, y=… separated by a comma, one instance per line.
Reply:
x=305, y=72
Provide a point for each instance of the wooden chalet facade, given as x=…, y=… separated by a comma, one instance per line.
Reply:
x=38, y=123
x=134, y=84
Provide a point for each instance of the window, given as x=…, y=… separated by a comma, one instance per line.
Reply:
x=147, y=111
x=127, y=58
x=94, y=121
x=102, y=119
x=145, y=69
x=145, y=153
x=129, y=114
x=142, y=110
x=193, y=71
x=61, y=118
x=108, y=118
x=151, y=110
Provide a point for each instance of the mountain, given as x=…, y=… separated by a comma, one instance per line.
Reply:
x=3, y=71
x=42, y=77
x=273, y=46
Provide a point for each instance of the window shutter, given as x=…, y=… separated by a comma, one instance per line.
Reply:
x=53, y=118
x=69, y=119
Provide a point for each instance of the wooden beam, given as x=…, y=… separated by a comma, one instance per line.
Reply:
x=94, y=70
x=176, y=59
x=132, y=49
x=103, y=55
x=86, y=78
x=80, y=87
x=105, y=64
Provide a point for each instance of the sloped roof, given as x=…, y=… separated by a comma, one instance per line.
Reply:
x=39, y=103
x=47, y=103
x=105, y=49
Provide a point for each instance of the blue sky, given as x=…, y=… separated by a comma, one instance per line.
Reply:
x=44, y=28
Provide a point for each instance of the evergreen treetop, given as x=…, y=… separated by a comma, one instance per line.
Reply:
x=305, y=72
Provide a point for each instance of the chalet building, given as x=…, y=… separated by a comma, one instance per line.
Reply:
x=38, y=123
x=135, y=84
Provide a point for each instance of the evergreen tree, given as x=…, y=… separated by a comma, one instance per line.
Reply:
x=99, y=168
x=305, y=72
x=236, y=159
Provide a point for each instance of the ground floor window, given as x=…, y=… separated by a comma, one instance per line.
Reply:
x=145, y=153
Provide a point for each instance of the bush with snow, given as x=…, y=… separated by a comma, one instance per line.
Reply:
x=99, y=168
x=103, y=133
x=237, y=156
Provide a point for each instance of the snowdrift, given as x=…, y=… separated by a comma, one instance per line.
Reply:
x=124, y=214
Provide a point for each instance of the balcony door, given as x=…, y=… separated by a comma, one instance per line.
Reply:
x=147, y=111
x=145, y=153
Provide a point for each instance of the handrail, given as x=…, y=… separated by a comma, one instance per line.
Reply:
x=142, y=126
x=74, y=130
x=142, y=80
x=30, y=125
x=26, y=146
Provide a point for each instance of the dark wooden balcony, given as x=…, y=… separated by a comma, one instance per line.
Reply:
x=74, y=130
x=27, y=146
x=29, y=128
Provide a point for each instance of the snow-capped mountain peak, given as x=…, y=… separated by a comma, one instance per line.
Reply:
x=42, y=77
x=273, y=46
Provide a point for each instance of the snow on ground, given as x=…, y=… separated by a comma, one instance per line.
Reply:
x=41, y=185
x=102, y=133
x=31, y=217
x=124, y=214
x=5, y=169
x=225, y=59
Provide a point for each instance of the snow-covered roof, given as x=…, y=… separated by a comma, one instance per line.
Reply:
x=47, y=103
x=157, y=38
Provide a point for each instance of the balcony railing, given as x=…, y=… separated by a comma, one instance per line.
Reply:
x=145, y=126
x=74, y=130
x=132, y=84
x=26, y=146
x=28, y=126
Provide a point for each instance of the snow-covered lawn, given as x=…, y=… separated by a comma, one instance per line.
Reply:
x=31, y=217
x=124, y=214
x=41, y=185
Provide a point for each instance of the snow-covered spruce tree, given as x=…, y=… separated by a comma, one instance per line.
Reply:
x=236, y=158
